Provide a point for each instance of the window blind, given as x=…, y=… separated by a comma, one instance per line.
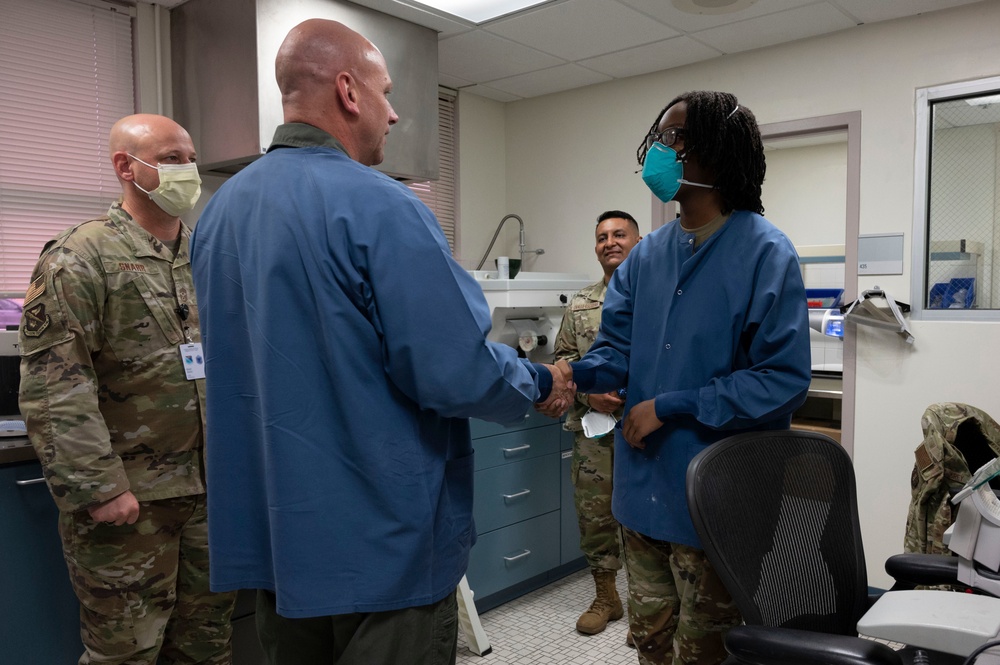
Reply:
x=440, y=195
x=66, y=77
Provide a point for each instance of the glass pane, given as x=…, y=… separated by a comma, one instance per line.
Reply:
x=962, y=227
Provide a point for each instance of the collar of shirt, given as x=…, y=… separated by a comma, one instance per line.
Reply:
x=301, y=135
x=704, y=232
x=143, y=243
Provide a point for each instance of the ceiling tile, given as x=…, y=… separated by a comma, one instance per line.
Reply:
x=665, y=11
x=651, y=57
x=581, y=29
x=555, y=79
x=775, y=28
x=867, y=11
x=479, y=56
x=453, y=81
x=492, y=93
x=533, y=52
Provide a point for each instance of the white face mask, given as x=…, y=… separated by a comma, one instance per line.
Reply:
x=179, y=190
x=597, y=424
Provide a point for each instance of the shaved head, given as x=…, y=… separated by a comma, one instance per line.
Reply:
x=314, y=53
x=135, y=133
x=333, y=78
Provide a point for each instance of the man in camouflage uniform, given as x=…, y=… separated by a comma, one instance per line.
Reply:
x=593, y=458
x=115, y=411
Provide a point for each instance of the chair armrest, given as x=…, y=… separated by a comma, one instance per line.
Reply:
x=764, y=645
x=925, y=569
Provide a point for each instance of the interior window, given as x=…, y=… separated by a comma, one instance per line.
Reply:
x=956, y=226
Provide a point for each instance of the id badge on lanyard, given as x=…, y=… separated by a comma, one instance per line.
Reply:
x=193, y=360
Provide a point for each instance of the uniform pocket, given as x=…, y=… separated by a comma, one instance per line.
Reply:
x=137, y=322
x=106, y=621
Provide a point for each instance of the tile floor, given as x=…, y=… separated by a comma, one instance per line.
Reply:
x=539, y=629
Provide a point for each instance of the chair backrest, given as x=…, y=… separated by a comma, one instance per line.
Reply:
x=777, y=514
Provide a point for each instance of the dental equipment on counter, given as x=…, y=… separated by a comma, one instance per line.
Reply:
x=527, y=311
x=949, y=621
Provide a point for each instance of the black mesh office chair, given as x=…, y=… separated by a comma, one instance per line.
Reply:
x=777, y=514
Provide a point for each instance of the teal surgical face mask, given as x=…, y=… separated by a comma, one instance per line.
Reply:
x=663, y=172
x=179, y=189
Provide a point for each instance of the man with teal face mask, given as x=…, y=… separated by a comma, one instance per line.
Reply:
x=706, y=326
x=114, y=404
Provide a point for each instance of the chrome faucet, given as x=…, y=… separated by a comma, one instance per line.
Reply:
x=521, y=248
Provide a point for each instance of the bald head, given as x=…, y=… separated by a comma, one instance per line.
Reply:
x=314, y=52
x=136, y=133
x=333, y=78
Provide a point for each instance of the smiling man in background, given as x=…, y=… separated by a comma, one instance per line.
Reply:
x=616, y=234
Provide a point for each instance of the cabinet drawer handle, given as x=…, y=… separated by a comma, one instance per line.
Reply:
x=511, y=451
x=523, y=554
x=33, y=481
x=508, y=497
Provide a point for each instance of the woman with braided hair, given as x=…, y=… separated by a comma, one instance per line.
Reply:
x=706, y=325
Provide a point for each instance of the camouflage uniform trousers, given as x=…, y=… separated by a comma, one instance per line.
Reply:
x=143, y=587
x=593, y=463
x=679, y=610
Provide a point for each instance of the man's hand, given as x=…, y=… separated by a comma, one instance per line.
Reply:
x=563, y=391
x=605, y=402
x=122, y=509
x=640, y=421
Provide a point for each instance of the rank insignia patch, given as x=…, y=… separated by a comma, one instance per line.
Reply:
x=35, y=320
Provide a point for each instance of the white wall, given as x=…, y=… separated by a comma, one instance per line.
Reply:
x=482, y=181
x=805, y=192
x=571, y=155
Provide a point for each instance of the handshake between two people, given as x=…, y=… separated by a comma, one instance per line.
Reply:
x=640, y=421
x=563, y=391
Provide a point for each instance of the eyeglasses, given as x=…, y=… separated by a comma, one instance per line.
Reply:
x=667, y=137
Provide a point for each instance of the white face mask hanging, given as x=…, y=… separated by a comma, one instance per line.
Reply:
x=179, y=189
x=597, y=424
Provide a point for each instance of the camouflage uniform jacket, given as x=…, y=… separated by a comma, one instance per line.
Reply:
x=103, y=390
x=942, y=469
x=580, y=325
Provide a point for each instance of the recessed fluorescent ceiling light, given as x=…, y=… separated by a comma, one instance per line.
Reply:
x=712, y=6
x=480, y=11
x=982, y=101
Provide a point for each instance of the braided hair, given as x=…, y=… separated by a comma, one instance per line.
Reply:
x=725, y=137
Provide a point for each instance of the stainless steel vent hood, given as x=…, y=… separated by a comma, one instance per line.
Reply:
x=224, y=92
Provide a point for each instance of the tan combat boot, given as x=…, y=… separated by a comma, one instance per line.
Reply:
x=606, y=607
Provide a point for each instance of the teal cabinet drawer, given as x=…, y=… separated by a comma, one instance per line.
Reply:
x=516, y=492
x=39, y=613
x=480, y=428
x=513, y=554
x=516, y=446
